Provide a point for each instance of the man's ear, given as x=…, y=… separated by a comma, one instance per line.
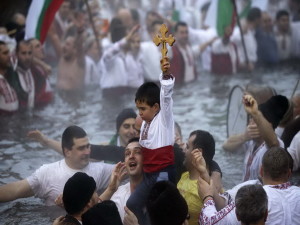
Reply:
x=66, y=151
x=156, y=107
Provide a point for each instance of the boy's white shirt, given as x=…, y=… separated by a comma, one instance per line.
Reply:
x=161, y=131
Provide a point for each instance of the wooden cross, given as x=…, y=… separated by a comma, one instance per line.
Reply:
x=158, y=39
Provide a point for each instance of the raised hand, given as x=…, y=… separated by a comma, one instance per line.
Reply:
x=117, y=176
x=250, y=104
x=165, y=67
x=59, y=202
x=198, y=161
x=37, y=136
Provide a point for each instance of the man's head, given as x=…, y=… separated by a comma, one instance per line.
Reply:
x=267, y=23
x=283, y=21
x=79, y=193
x=117, y=30
x=227, y=34
x=155, y=26
x=134, y=158
x=254, y=16
x=151, y=16
x=125, y=124
x=24, y=54
x=147, y=100
x=276, y=165
x=165, y=205
x=4, y=56
x=68, y=48
x=76, y=147
x=64, y=10
x=126, y=17
x=181, y=33
x=105, y=212
x=37, y=48
x=205, y=142
x=274, y=109
x=251, y=204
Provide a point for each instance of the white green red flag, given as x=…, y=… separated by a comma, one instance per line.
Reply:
x=39, y=18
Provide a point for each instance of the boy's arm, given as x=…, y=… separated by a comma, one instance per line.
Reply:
x=166, y=102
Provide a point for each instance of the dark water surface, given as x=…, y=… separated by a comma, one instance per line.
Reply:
x=198, y=105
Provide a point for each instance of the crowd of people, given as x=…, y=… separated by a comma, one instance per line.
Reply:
x=147, y=175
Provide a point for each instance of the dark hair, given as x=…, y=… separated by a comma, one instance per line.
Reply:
x=251, y=203
x=165, y=204
x=276, y=163
x=206, y=142
x=26, y=42
x=156, y=22
x=149, y=93
x=69, y=134
x=2, y=43
x=290, y=131
x=135, y=15
x=253, y=14
x=117, y=30
x=282, y=13
x=105, y=212
x=178, y=24
x=134, y=139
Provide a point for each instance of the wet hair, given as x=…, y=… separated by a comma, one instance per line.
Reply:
x=254, y=14
x=26, y=42
x=149, y=93
x=117, y=30
x=165, y=205
x=251, y=204
x=134, y=139
x=69, y=134
x=282, y=13
x=276, y=163
x=179, y=24
x=206, y=142
x=135, y=15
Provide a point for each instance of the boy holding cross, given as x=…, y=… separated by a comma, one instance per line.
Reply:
x=157, y=136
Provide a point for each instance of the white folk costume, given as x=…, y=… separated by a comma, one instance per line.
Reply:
x=27, y=85
x=283, y=207
x=253, y=158
x=120, y=69
x=8, y=97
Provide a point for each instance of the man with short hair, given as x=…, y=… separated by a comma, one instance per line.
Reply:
x=283, y=198
x=8, y=97
x=48, y=181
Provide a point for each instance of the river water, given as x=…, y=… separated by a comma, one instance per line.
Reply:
x=199, y=105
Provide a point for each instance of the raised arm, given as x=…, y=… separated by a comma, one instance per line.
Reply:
x=265, y=128
x=38, y=136
x=15, y=190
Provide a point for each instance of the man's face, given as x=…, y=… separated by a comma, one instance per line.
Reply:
x=267, y=23
x=68, y=48
x=37, y=49
x=78, y=156
x=127, y=131
x=283, y=24
x=134, y=159
x=64, y=10
x=182, y=35
x=146, y=112
x=189, y=149
x=4, y=57
x=24, y=56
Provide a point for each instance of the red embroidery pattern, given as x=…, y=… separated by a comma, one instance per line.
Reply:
x=205, y=220
x=145, y=131
x=8, y=93
x=281, y=186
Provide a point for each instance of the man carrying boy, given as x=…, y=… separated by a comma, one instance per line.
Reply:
x=157, y=137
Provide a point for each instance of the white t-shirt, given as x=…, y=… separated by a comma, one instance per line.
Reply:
x=49, y=180
x=120, y=197
x=161, y=131
x=294, y=150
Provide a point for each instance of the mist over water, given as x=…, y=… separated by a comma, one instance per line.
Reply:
x=198, y=105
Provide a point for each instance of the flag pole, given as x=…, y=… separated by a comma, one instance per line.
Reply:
x=93, y=25
x=240, y=28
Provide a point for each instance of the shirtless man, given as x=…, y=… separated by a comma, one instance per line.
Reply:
x=71, y=66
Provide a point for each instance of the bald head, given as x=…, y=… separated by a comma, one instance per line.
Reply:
x=125, y=16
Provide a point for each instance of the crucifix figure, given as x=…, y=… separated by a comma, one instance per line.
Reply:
x=158, y=39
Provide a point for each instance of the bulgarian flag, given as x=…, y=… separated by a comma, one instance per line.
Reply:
x=40, y=17
x=221, y=13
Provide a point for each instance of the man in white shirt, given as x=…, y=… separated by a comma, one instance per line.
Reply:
x=48, y=181
x=260, y=135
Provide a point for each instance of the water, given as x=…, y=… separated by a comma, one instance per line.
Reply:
x=198, y=105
